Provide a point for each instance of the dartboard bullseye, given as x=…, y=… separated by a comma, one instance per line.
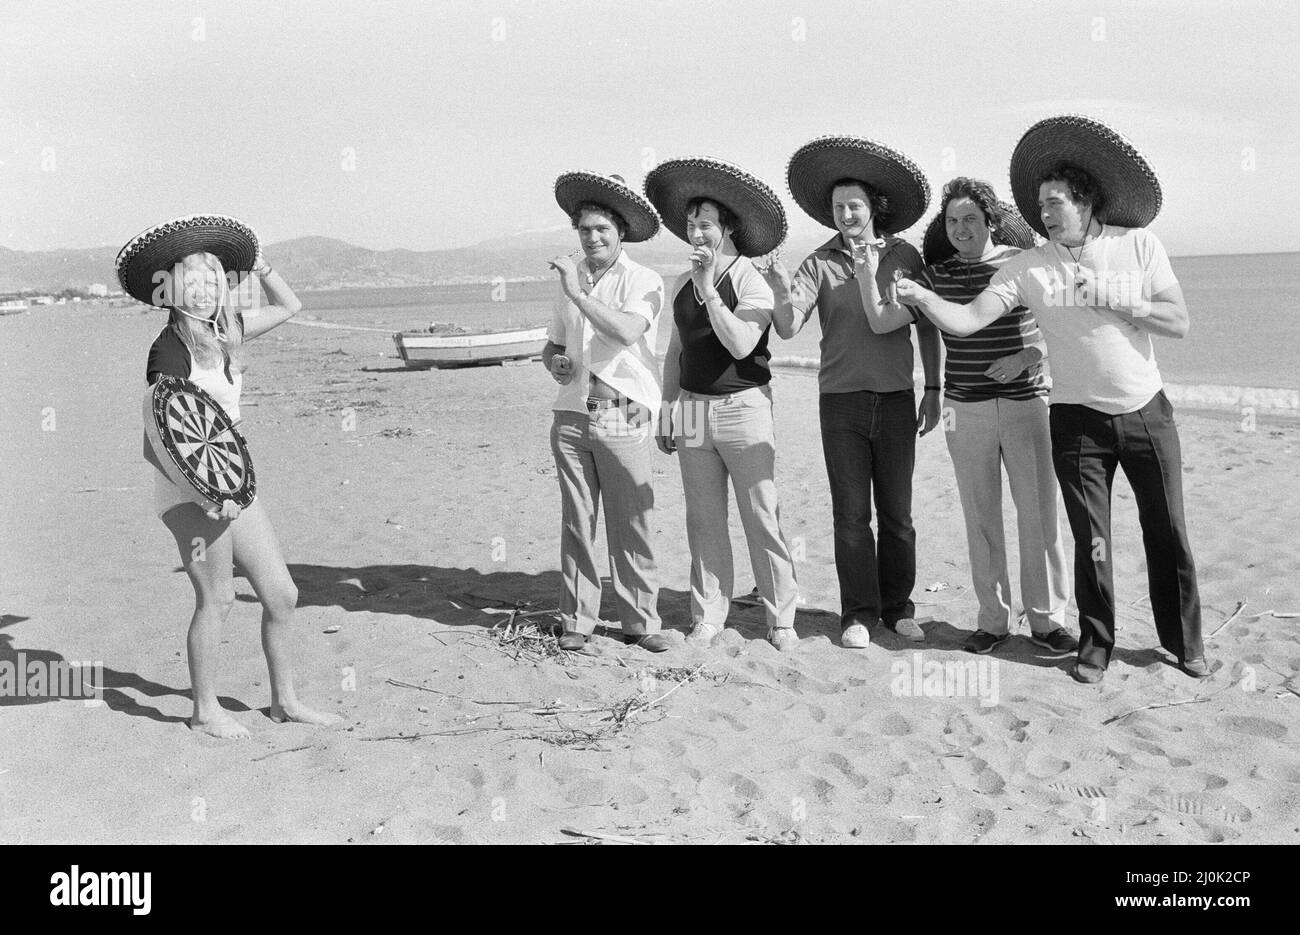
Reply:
x=196, y=443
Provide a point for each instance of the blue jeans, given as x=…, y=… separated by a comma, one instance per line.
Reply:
x=869, y=441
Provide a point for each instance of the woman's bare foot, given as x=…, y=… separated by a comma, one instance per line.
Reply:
x=301, y=714
x=220, y=725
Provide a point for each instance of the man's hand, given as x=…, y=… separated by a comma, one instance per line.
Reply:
x=1006, y=369
x=568, y=271
x=909, y=292
x=927, y=416
x=561, y=369
x=703, y=266
x=664, y=431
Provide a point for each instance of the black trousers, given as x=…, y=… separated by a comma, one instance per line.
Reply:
x=869, y=440
x=1087, y=446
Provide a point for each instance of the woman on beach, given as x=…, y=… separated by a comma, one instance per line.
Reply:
x=995, y=406
x=717, y=401
x=182, y=266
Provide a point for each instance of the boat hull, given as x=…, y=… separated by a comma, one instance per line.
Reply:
x=468, y=350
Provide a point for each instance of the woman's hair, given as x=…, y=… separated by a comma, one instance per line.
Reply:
x=880, y=215
x=617, y=219
x=725, y=215
x=978, y=191
x=1084, y=189
x=200, y=338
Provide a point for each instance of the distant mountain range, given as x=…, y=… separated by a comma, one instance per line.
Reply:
x=327, y=263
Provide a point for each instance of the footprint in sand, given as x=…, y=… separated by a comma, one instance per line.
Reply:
x=894, y=725
x=1208, y=805
x=975, y=774
x=960, y=824
x=1255, y=727
x=1043, y=765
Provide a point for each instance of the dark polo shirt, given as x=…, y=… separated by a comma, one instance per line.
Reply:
x=853, y=357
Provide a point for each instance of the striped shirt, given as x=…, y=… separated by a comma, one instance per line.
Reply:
x=960, y=281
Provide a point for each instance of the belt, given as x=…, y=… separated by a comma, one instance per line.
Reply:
x=594, y=403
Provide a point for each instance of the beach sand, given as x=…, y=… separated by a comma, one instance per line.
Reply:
x=417, y=508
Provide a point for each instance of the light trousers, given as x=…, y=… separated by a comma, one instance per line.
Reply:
x=731, y=438
x=984, y=438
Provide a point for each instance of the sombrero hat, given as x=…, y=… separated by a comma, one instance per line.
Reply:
x=1012, y=231
x=161, y=247
x=575, y=188
x=1132, y=191
x=760, y=217
x=818, y=165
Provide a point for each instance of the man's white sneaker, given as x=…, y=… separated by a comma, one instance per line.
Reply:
x=855, y=637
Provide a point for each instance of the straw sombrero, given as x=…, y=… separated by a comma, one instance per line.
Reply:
x=164, y=245
x=575, y=188
x=818, y=165
x=761, y=223
x=1012, y=231
x=1132, y=191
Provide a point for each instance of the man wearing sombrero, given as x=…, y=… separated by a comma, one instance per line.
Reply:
x=1099, y=289
x=996, y=417
x=866, y=192
x=601, y=350
x=717, y=396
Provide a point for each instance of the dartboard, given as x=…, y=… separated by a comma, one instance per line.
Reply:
x=196, y=442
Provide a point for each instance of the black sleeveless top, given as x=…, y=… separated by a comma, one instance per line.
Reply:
x=706, y=364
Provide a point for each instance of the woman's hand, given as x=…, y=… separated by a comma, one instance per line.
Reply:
x=229, y=510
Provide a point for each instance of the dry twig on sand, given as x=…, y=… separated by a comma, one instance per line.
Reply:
x=1152, y=707
x=601, y=836
x=1231, y=617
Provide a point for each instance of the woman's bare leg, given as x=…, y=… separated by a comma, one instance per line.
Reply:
x=258, y=552
x=205, y=549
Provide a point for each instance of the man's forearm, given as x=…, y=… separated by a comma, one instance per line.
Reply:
x=928, y=337
x=621, y=326
x=949, y=317
x=1163, y=319
x=737, y=336
x=883, y=317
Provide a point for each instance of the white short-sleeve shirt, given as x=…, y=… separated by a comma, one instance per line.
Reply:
x=1099, y=358
x=631, y=370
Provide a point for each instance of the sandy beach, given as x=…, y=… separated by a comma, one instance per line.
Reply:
x=418, y=509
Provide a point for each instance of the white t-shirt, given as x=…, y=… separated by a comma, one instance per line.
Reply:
x=632, y=370
x=1099, y=358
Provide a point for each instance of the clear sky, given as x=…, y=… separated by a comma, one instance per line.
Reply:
x=428, y=125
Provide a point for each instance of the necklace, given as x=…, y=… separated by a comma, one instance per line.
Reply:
x=592, y=279
x=1079, y=281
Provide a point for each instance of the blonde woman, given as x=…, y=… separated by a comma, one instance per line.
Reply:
x=183, y=266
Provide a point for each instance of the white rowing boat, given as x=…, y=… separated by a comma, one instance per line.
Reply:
x=421, y=349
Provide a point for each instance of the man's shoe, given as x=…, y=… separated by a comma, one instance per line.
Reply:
x=572, y=642
x=982, y=641
x=650, y=642
x=909, y=629
x=1086, y=673
x=855, y=636
x=1196, y=668
x=702, y=634
x=783, y=638
x=1058, y=641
